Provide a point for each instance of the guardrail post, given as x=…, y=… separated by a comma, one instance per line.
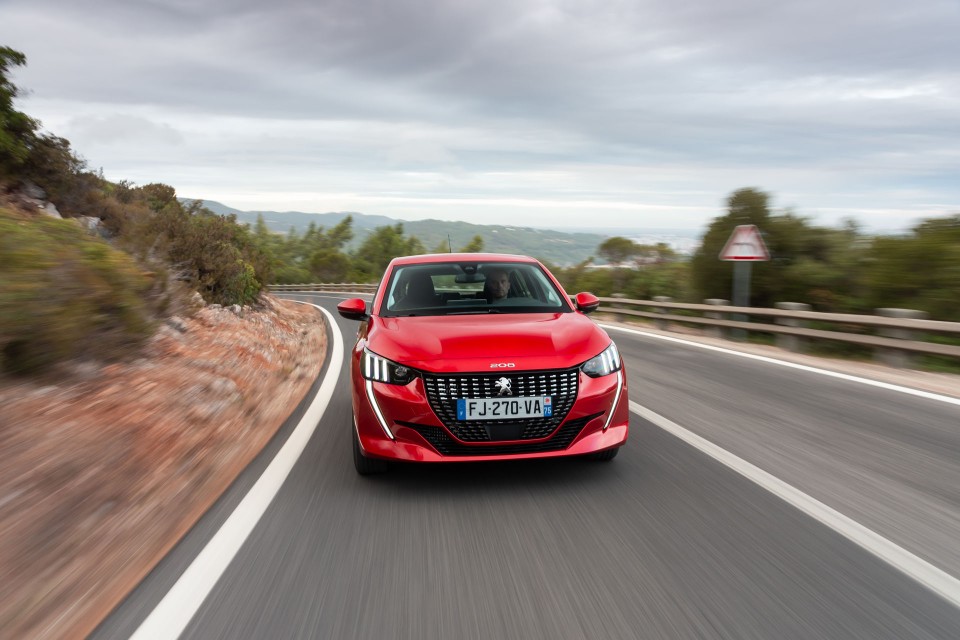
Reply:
x=897, y=357
x=712, y=331
x=618, y=317
x=662, y=324
x=788, y=342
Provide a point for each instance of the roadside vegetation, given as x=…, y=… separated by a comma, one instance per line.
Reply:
x=834, y=270
x=121, y=259
x=128, y=256
x=65, y=294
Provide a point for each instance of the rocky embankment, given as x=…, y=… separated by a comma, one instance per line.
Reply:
x=105, y=467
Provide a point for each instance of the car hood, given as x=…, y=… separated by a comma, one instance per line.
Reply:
x=450, y=344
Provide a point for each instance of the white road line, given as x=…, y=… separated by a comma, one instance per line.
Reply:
x=920, y=570
x=793, y=365
x=174, y=612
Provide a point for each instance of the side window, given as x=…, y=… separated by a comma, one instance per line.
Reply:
x=397, y=288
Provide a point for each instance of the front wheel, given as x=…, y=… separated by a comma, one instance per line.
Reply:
x=365, y=466
x=605, y=456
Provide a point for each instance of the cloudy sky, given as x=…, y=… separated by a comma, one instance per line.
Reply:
x=553, y=113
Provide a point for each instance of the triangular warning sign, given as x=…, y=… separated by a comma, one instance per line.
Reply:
x=745, y=243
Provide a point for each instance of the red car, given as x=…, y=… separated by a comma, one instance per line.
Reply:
x=481, y=357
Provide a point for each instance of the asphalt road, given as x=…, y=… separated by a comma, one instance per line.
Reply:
x=663, y=542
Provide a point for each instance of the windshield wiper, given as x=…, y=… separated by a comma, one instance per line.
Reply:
x=474, y=312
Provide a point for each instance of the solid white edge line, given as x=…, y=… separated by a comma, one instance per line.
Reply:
x=174, y=612
x=793, y=365
x=937, y=580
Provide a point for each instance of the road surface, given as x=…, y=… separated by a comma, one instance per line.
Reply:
x=666, y=541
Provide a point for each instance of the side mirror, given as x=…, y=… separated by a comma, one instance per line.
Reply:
x=353, y=309
x=586, y=302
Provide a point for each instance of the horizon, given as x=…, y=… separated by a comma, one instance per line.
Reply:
x=603, y=231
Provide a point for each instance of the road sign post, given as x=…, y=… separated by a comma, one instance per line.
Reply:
x=744, y=247
x=741, y=284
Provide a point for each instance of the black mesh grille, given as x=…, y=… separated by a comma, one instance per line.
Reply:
x=447, y=446
x=443, y=391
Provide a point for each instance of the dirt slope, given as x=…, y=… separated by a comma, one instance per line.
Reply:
x=104, y=469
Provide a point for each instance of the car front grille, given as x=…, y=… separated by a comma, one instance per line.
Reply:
x=447, y=446
x=443, y=391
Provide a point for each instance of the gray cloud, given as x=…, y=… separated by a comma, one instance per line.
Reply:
x=819, y=98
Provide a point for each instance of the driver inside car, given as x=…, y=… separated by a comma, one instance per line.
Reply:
x=497, y=285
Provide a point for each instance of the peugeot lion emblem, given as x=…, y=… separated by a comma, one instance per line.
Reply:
x=503, y=384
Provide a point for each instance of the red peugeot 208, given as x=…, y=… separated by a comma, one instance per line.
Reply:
x=481, y=357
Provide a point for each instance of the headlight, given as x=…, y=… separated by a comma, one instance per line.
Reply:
x=379, y=369
x=604, y=364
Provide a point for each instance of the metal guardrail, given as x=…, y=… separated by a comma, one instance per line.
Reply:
x=902, y=331
x=934, y=326
x=332, y=287
x=900, y=338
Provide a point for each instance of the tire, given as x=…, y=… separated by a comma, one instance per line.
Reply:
x=365, y=466
x=605, y=456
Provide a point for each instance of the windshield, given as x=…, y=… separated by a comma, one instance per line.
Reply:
x=446, y=288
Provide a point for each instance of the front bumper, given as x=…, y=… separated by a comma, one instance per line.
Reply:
x=397, y=423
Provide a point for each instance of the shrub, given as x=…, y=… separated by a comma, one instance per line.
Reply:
x=64, y=293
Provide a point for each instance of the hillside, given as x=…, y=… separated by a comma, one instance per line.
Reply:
x=556, y=247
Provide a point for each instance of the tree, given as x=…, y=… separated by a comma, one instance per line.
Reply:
x=917, y=271
x=216, y=256
x=380, y=247
x=162, y=196
x=820, y=266
x=816, y=265
x=260, y=229
x=317, y=256
x=327, y=265
x=17, y=130
x=340, y=234
x=617, y=250
x=54, y=166
x=474, y=246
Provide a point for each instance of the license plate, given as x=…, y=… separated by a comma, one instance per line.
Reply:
x=504, y=408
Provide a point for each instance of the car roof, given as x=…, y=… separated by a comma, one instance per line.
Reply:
x=461, y=257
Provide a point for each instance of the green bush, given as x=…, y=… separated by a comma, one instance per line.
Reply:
x=212, y=253
x=64, y=293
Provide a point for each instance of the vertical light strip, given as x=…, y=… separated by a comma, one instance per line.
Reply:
x=616, y=399
x=376, y=410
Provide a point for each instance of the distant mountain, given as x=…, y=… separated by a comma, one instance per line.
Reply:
x=283, y=221
x=556, y=247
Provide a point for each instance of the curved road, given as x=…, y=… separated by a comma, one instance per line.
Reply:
x=664, y=542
